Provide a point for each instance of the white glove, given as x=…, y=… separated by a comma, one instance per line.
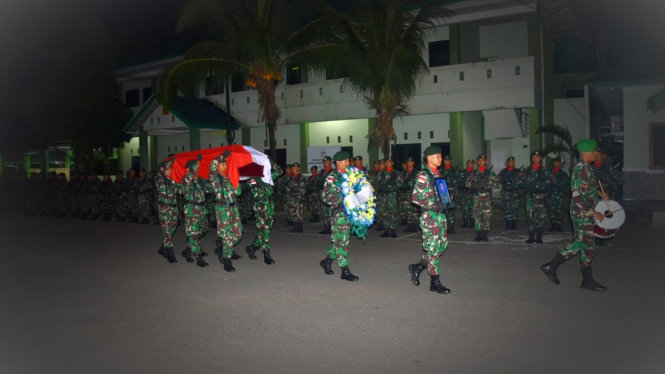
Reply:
x=364, y=194
x=351, y=201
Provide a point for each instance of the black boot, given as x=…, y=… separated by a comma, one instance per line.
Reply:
x=251, y=250
x=161, y=251
x=514, y=224
x=326, y=230
x=415, y=270
x=484, y=235
x=235, y=256
x=552, y=226
x=436, y=286
x=532, y=237
x=588, y=283
x=393, y=234
x=346, y=275
x=228, y=265
x=478, y=237
x=507, y=225
x=187, y=254
x=451, y=228
x=200, y=262
x=170, y=256
x=267, y=259
x=539, y=235
x=558, y=227
x=325, y=264
x=300, y=227
x=386, y=234
x=408, y=228
x=465, y=223
x=550, y=268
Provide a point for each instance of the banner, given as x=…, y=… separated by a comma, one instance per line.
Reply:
x=315, y=155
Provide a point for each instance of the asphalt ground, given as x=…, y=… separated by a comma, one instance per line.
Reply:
x=94, y=297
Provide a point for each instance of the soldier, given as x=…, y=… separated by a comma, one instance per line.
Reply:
x=52, y=193
x=380, y=197
x=154, y=206
x=510, y=193
x=403, y=197
x=606, y=173
x=72, y=192
x=325, y=208
x=466, y=195
x=264, y=209
x=406, y=183
x=358, y=161
x=481, y=181
x=94, y=196
x=585, y=193
x=83, y=196
x=295, y=188
x=167, y=200
x=341, y=227
x=105, y=197
x=194, y=193
x=131, y=200
x=284, y=189
x=555, y=196
x=535, y=181
x=388, y=187
x=452, y=176
x=313, y=195
x=120, y=196
x=143, y=192
x=229, y=227
x=211, y=219
x=63, y=194
x=432, y=221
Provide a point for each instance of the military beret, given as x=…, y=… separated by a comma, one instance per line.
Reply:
x=224, y=156
x=447, y=157
x=586, y=145
x=295, y=164
x=314, y=167
x=470, y=160
x=410, y=159
x=191, y=163
x=359, y=158
x=601, y=150
x=389, y=159
x=289, y=166
x=341, y=156
x=536, y=153
x=557, y=158
x=381, y=161
x=327, y=158
x=511, y=158
x=482, y=156
x=432, y=150
x=142, y=170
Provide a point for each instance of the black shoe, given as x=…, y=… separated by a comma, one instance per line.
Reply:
x=235, y=256
x=532, y=237
x=161, y=251
x=346, y=275
x=465, y=223
x=187, y=254
x=228, y=265
x=588, y=283
x=478, y=237
x=200, y=262
x=451, y=228
x=393, y=234
x=484, y=236
x=170, y=256
x=558, y=227
x=326, y=264
x=539, y=235
x=415, y=270
x=250, y=249
x=550, y=268
x=436, y=286
x=267, y=259
x=326, y=230
x=507, y=225
x=386, y=234
x=408, y=228
x=243, y=221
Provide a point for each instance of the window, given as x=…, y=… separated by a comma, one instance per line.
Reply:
x=336, y=73
x=439, y=53
x=295, y=75
x=132, y=98
x=656, y=150
x=237, y=83
x=214, y=87
x=147, y=92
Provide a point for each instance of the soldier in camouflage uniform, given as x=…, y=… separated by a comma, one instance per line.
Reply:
x=286, y=199
x=555, y=196
x=607, y=174
x=120, y=196
x=106, y=197
x=195, y=214
x=585, y=193
x=72, y=199
x=83, y=195
x=131, y=200
x=380, y=199
x=211, y=219
x=403, y=197
x=432, y=221
x=325, y=208
x=510, y=193
x=264, y=209
x=94, y=196
x=406, y=183
x=63, y=194
x=452, y=176
x=481, y=181
x=229, y=227
x=295, y=188
x=358, y=162
x=167, y=201
x=388, y=188
x=314, y=195
x=466, y=195
x=143, y=192
x=341, y=226
x=52, y=193
x=536, y=181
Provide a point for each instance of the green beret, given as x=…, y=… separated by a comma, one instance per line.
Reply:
x=341, y=156
x=381, y=161
x=447, y=157
x=470, y=160
x=586, y=145
x=432, y=150
x=289, y=166
x=191, y=164
x=410, y=159
x=557, y=158
x=327, y=158
x=389, y=159
x=536, y=153
x=601, y=150
x=295, y=164
x=511, y=158
x=481, y=156
x=359, y=158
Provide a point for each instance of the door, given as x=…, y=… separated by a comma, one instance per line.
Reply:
x=135, y=164
x=348, y=149
x=280, y=154
x=400, y=152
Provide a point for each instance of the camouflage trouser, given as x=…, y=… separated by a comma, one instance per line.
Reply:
x=584, y=241
x=264, y=211
x=535, y=211
x=404, y=205
x=210, y=208
x=295, y=210
x=555, y=206
x=288, y=208
x=510, y=205
x=229, y=228
x=467, y=205
x=482, y=210
x=195, y=226
x=391, y=210
x=131, y=206
x=414, y=214
x=142, y=208
x=451, y=215
x=105, y=206
x=314, y=202
x=325, y=212
x=435, y=239
x=168, y=219
x=381, y=209
x=341, y=232
x=95, y=204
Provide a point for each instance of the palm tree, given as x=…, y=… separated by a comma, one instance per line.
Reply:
x=382, y=43
x=254, y=38
x=563, y=145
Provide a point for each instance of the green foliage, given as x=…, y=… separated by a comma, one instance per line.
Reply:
x=77, y=104
x=564, y=145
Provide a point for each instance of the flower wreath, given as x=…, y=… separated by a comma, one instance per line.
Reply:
x=356, y=188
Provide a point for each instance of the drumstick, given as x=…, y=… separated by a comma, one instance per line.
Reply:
x=603, y=191
x=610, y=213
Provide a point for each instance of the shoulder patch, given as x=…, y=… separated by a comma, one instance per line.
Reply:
x=330, y=179
x=252, y=181
x=422, y=179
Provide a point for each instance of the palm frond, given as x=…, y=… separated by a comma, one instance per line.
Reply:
x=561, y=132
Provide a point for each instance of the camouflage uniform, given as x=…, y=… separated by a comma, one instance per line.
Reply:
x=295, y=190
x=314, y=197
x=481, y=183
x=535, y=183
x=510, y=196
x=452, y=176
x=341, y=226
x=195, y=214
x=120, y=193
x=229, y=227
x=94, y=197
x=406, y=183
x=167, y=197
x=466, y=198
x=609, y=177
x=106, y=192
x=143, y=192
x=555, y=197
x=388, y=189
x=325, y=208
x=72, y=196
x=132, y=199
x=264, y=209
x=433, y=220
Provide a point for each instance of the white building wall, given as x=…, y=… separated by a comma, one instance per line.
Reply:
x=504, y=40
x=287, y=136
x=473, y=136
x=499, y=151
x=131, y=149
x=636, y=121
x=437, y=124
x=170, y=144
x=344, y=133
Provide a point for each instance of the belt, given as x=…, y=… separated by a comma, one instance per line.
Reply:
x=225, y=205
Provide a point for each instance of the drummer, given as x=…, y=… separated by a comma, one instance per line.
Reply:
x=585, y=193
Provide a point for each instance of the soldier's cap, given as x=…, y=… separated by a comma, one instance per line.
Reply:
x=410, y=159
x=586, y=145
x=482, y=156
x=327, y=158
x=359, y=158
x=130, y=170
x=511, y=158
x=381, y=161
x=471, y=161
x=295, y=164
x=601, y=150
x=389, y=159
x=536, y=153
x=432, y=150
x=224, y=156
x=557, y=158
x=191, y=164
x=289, y=166
x=142, y=170
x=341, y=156
x=447, y=157
x=314, y=167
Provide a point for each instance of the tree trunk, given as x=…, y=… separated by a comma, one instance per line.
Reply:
x=272, y=142
x=230, y=134
x=386, y=133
